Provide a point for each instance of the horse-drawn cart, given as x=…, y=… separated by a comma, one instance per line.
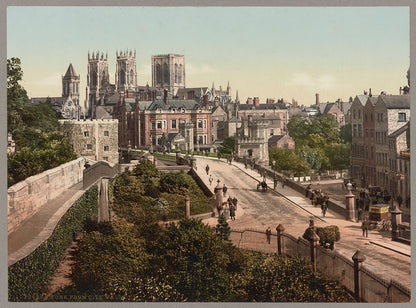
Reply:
x=378, y=214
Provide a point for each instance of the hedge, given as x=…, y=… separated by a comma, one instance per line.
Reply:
x=30, y=276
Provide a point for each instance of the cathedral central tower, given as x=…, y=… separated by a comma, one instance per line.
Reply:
x=126, y=76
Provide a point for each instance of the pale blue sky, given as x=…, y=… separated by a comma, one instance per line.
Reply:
x=269, y=52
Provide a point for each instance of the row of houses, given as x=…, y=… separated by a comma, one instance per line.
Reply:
x=380, y=149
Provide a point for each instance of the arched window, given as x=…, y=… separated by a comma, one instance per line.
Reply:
x=94, y=78
x=158, y=73
x=165, y=73
x=131, y=76
x=176, y=73
x=122, y=77
x=77, y=89
x=180, y=74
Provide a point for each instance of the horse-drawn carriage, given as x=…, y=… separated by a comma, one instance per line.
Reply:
x=378, y=215
x=262, y=185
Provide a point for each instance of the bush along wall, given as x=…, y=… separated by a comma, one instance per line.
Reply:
x=29, y=276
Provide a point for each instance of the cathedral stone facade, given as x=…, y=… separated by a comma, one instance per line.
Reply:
x=126, y=75
x=168, y=72
x=70, y=94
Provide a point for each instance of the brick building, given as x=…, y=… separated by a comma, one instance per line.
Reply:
x=369, y=142
x=143, y=123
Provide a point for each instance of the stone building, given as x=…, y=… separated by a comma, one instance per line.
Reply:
x=391, y=112
x=168, y=72
x=369, y=142
x=399, y=165
x=357, y=143
x=282, y=142
x=252, y=140
x=275, y=111
x=67, y=104
x=93, y=139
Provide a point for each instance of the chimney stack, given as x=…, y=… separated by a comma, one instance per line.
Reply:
x=369, y=92
x=165, y=96
x=256, y=101
x=317, y=99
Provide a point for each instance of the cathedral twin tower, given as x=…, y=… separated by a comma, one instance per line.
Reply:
x=168, y=72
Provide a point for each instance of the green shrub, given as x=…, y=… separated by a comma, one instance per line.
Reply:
x=29, y=276
x=328, y=234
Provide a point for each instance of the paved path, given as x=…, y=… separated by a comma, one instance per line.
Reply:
x=258, y=210
x=39, y=227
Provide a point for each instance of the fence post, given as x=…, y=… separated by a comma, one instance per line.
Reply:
x=358, y=259
x=313, y=241
x=280, y=230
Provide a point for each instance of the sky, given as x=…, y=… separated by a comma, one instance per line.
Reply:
x=265, y=52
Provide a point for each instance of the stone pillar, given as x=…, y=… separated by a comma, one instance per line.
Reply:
x=178, y=157
x=396, y=220
x=187, y=207
x=358, y=259
x=350, y=206
x=313, y=241
x=103, y=212
x=218, y=195
x=192, y=162
x=280, y=230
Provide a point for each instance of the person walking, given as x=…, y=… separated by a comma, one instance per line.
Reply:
x=324, y=207
x=308, y=190
x=232, y=211
x=224, y=189
x=283, y=182
x=275, y=182
x=268, y=234
x=235, y=201
x=364, y=227
x=207, y=169
x=210, y=179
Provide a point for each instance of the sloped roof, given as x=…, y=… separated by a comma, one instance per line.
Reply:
x=174, y=103
x=183, y=92
x=362, y=98
x=70, y=71
x=400, y=131
x=395, y=101
x=275, y=138
x=260, y=107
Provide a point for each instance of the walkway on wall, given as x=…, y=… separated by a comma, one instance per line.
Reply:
x=39, y=227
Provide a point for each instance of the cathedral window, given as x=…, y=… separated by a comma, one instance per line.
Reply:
x=180, y=74
x=122, y=77
x=176, y=73
x=158, y=73
x=165, y=73
x=94, y=79
x=131, y=76
x=77, y=89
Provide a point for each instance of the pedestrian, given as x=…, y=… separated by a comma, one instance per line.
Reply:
x=226, y=210
x=268, y=234
x=308, y=190
x=207, y=169
x=364, y=227
x=399, y=200
x=245, y=164
x=235, y=201
x=313, y=197
x=324, y=207
x=232, y=211
x=283, y=183
x=275, y=182
x=224, y=189
x=210, y=179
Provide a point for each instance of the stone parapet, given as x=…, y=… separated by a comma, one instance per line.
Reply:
x=26, y=197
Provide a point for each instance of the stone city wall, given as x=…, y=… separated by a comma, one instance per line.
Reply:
x=26, y=197
x=336, y=266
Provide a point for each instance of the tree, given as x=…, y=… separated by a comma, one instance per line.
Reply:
x=326, y=126
x=195, y=260
x=222, y=229
x=345, y=133
x=298, y=128
x=288, y=161
x=227, y=146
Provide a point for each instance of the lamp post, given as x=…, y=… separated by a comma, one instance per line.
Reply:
x=274, y=174
x=349, y=203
